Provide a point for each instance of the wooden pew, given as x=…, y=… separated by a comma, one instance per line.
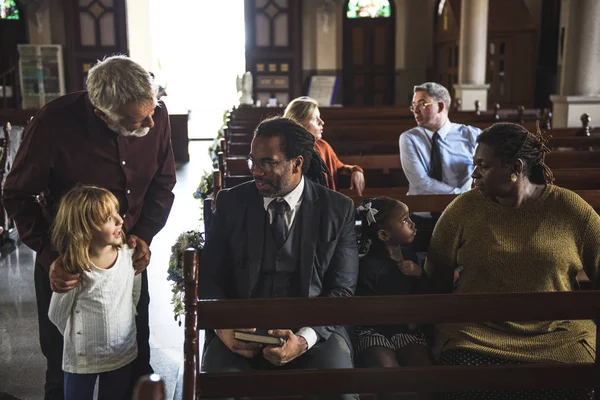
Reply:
x=390, y=145
x=351, y=131
x=377, y=310
x=150, y=387
x=393, y=113
x=556, y=159
x=439, y=202
x=376, y=149
x=400, y=118
x=572, y=170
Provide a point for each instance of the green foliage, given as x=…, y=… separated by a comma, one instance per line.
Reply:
x=186, y=240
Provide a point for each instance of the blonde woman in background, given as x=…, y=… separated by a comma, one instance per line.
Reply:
x=305, y=111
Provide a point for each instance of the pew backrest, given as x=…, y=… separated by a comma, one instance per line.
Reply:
x=211, y=314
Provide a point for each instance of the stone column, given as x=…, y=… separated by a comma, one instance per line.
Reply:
x=472, y=50
x=579, y=90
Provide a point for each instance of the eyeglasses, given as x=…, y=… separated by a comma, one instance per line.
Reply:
x=265, y=165
x=419, y=106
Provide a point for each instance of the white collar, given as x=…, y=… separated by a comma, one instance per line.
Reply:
x=443, y=131
x=292, y=198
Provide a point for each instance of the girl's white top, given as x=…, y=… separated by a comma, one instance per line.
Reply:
x=97, y=317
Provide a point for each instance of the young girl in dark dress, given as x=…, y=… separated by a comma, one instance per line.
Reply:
x=388, y=269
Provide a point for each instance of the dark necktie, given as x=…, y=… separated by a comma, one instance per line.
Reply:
x=435, y=170
x=278, y=226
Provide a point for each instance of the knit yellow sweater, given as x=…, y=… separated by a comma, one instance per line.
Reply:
x=538, y=247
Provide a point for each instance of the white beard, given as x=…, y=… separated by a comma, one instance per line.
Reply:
x=140, y=132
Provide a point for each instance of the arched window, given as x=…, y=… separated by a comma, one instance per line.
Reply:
x=8, y=9
x=369, y=9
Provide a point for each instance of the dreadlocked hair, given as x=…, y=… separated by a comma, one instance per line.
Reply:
x=296, y=141
x=512, y=141
x=368, y=240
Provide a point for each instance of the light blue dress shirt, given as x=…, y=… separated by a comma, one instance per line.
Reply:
x=457, y=147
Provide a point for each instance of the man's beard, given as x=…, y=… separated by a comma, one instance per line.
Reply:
x=120, y=129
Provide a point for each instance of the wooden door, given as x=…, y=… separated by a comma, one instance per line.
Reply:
x=95, y=29
x=446, y=46
x=511, y=54
x=446, y=55
x=273, y=48
x=499, y=72
x=368, y=61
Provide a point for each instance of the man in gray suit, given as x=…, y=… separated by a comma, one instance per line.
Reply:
x=281, y=235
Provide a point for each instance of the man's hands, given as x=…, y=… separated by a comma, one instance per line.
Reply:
x=248, y=350
x=60, y=280
x=357, y=181
x=293, y=347
x=409, y=268
x=141, y=257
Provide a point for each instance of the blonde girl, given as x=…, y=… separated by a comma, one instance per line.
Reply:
x=97, y=318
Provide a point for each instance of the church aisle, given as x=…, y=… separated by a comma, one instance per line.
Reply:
x=22, y=365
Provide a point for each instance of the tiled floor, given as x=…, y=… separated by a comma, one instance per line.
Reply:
x=22, y=365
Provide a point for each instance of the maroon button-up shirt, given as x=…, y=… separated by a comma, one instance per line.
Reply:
x=66, y=144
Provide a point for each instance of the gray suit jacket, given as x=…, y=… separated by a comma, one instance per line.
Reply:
x=232, y=256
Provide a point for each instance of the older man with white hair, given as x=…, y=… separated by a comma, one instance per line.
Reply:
x=436, y=155
x=115, y=135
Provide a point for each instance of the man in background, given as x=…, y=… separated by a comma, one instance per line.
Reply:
x=436, y=155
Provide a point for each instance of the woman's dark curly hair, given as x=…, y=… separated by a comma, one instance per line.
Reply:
x=512, y=141
x=296, y=141
x=368, y=240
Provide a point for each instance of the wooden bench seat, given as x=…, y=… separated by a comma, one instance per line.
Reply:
x=348, y=131
x=362, y=145
x=376, y=310
x=439, y=202
x=572, y=170
x=556, y=159
x=255, y=114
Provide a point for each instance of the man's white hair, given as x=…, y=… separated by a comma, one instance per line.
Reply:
x=118, y=80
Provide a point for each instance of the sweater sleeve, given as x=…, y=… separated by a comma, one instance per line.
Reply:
x=340, y=167
x=590, y=255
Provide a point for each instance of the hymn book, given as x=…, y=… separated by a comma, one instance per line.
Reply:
x=259, y=337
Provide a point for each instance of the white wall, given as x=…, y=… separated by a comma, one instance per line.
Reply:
x=139, y=32
x=197, y=54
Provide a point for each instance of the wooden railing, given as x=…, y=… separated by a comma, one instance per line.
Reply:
x=419, y=309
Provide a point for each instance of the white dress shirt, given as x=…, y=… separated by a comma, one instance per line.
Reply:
x=97, y=317
x=457, y=147
x=294, y=200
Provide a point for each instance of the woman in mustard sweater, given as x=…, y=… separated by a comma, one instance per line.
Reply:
x=305, y=111
x=516, y=232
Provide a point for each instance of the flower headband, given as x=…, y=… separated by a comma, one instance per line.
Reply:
x=370, y=212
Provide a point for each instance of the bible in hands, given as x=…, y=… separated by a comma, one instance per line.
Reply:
x=260, y=336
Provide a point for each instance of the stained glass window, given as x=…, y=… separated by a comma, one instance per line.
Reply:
x=369, y=9
x=8, y=9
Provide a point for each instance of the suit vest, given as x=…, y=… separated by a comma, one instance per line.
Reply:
x=280, y=270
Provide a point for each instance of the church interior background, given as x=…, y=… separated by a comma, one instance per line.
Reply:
x=514, y=54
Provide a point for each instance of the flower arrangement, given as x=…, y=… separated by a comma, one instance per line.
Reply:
x=192, y=238
x=205, y=188
x=186, y=240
